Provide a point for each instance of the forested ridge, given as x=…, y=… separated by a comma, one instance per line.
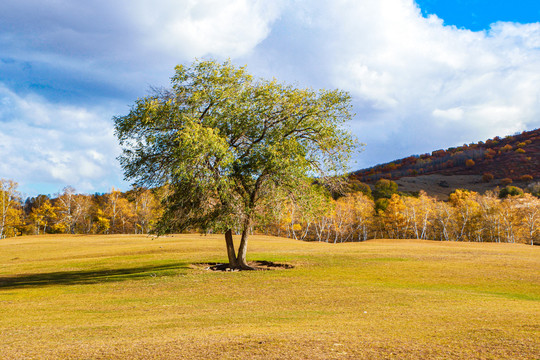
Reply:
x=514, y=157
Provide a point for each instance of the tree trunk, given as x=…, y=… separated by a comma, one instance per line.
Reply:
x=242, y=250
x=233, y=264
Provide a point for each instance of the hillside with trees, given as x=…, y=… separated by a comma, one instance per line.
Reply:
x=499, y=161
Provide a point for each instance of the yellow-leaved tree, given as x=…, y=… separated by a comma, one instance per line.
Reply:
x=43, y=215
x=530, y=214
x=10, y=209
x=467, y=214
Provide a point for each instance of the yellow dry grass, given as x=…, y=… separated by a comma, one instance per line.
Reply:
x=136, y=297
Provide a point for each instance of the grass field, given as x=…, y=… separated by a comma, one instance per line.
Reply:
x=134, y=297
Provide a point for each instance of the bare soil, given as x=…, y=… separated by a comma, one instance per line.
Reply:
x=257, y=265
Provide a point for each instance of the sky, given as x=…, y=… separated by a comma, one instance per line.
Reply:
x=423, y=75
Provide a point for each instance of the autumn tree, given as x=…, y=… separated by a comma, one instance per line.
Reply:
x=219, y=138
x=323, y=206
x=42, y=216
x=83, y=213
x=147, y=210
x=101, y=224
x=392, y=219
x=10, y=208
x=343, y=217
x=419, y=213
x=304, y=205
x=511, y=219
x=363, y=212
x=119, y=211
x=466, y=213
x=443, y=218
x=529, y=211
x=66, y=210
x=490, y=216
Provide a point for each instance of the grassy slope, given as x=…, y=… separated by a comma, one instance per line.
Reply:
x=133, y=297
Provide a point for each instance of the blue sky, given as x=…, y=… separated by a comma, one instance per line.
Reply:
x=423, y=75
x=478, y=15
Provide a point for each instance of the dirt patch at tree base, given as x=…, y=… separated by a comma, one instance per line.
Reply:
x=256, y=265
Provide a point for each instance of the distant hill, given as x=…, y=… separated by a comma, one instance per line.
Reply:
x=515, y=157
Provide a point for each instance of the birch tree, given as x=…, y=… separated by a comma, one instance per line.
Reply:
x=10, y=208
x=530, y=213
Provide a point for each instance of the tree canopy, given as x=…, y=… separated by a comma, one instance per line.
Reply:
x=221, y=141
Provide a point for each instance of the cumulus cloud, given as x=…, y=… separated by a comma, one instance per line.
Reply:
x=417, y=84
x=123, y=28
x=127, y=43
x=196, y=28
x=53, y=145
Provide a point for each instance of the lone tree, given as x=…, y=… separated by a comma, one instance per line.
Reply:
x=221, y=141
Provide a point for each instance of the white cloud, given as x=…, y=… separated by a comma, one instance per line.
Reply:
x=223, y=28
x=89, y=51
x=417, y=85
x=134, y=32
x=56, y=145
x=450, y=114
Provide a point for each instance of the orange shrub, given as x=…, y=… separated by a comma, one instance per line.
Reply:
x=487, y=177
x=526, y=178
x=489, y=153
x=506, y=181
x=469, y=162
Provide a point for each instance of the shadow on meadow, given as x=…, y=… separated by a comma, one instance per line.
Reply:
x=89, y=276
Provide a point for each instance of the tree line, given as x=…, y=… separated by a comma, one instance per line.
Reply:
x=310, y=212
x=68, y=212
x=508, y=215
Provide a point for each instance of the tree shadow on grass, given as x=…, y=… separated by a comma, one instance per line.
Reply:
x=89, y=276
